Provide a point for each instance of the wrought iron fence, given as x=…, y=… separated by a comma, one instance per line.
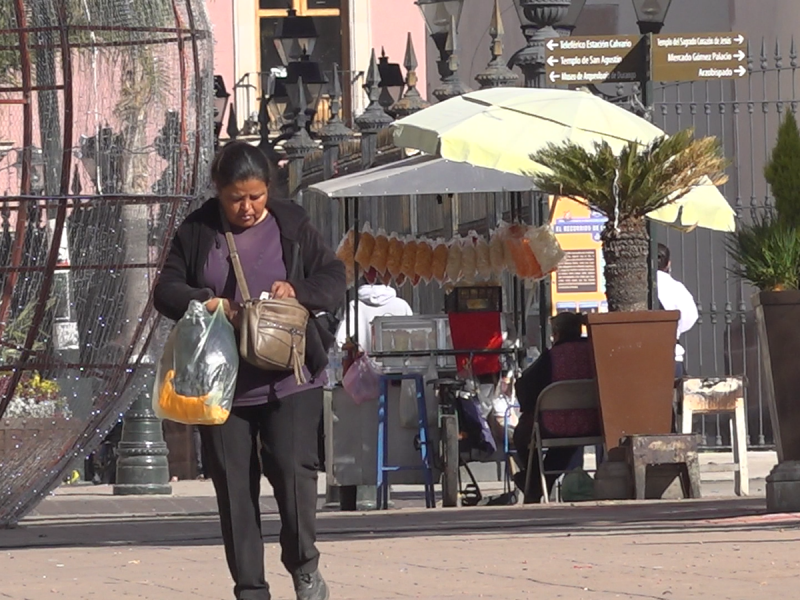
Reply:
x=745, y=115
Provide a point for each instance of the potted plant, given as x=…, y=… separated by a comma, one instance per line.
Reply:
x=767, y=255
x=633, y=347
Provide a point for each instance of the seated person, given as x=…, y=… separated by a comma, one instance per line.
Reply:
x=569, y=359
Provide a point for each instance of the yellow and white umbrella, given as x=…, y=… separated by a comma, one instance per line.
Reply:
x=500, y=129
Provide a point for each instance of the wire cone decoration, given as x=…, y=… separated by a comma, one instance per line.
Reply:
x=105, y=136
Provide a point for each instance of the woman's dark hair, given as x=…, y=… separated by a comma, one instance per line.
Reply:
x=239, y=161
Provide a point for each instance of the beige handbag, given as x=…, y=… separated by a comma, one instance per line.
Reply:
x=273, y=332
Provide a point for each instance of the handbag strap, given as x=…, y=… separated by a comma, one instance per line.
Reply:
x=235, y=260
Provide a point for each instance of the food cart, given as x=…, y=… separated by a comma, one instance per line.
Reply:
x=420, y=343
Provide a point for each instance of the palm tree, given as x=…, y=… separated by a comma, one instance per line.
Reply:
x=625, y=187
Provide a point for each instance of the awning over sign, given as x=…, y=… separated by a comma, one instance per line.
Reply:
x=423, y=175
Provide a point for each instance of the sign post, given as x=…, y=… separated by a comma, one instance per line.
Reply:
x=699, y=57
x=594, y=59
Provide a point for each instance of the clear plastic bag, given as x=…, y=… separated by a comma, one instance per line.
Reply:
x=196, y=376
x=362, y=381
x=407, y=407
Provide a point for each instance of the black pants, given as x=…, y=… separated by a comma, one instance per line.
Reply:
x=555, y=459
x=288, y=433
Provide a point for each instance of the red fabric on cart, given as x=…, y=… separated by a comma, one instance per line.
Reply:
x=477, y=331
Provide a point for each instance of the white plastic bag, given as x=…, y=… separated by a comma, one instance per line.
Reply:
x=196, y=376
x=362, y=381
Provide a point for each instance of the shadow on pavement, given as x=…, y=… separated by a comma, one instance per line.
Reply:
x=625, y=518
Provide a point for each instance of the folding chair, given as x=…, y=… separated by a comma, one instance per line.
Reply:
x=578, y=395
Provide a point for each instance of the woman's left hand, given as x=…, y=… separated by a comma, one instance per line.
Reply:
x=282, y=290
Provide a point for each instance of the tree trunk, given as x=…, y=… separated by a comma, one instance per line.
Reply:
x=625, y=252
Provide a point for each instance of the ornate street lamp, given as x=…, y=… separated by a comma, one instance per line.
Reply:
x=221, y=98
x=567, y=25
x=651, y=14
x=537, y=18
x=294, y=37
x=438, y=14
x=392, y=81
x=442, y=18
x=308, y=74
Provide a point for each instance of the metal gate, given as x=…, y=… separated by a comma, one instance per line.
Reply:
x=745, y=115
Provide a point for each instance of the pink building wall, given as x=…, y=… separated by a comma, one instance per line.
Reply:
x=220, y=15
x=392, y=20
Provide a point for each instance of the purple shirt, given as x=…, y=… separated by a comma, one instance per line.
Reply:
x=262, y=262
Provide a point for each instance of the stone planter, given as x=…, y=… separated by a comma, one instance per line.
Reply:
x=778, y=320
x=634, y=354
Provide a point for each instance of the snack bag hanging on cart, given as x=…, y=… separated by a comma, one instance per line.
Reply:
x=545, y=247
x=346, y=253
x=394, y=260
x=366, y=247
x=196, y=376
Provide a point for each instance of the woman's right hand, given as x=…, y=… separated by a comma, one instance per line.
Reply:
x=231, y=309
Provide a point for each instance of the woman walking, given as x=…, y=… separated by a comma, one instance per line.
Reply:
x=283, y=255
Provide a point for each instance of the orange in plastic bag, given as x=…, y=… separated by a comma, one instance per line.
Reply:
x=394, y=261
x=423, y=266
x=380, y=254
x=439, y=264
x=366, y=246
x=409, y=262
x=196, y=375
x=186, y=409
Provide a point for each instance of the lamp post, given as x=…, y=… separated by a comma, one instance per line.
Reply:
x=295, y=36
x=497, y=74
x=650, y=16
x=537, y=19
x=221, y=98
x=442, y=18
x=567, y=25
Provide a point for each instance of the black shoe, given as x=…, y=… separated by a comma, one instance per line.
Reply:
x=311, y=586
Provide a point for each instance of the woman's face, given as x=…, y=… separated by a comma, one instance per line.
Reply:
x=244, y=202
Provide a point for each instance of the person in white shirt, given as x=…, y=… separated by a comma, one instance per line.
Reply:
x=673, y=295
x=374, y=300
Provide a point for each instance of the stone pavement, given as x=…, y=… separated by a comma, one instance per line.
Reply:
x=85, y=543
x=683, y=550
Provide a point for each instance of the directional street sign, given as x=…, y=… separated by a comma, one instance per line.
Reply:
x=594, y=59
x=697, y=57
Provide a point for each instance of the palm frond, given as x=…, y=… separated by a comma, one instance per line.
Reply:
x=647, y=177
x=767, y=254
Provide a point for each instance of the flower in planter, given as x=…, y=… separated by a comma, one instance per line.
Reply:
x=625, y=187
x=37, y=398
